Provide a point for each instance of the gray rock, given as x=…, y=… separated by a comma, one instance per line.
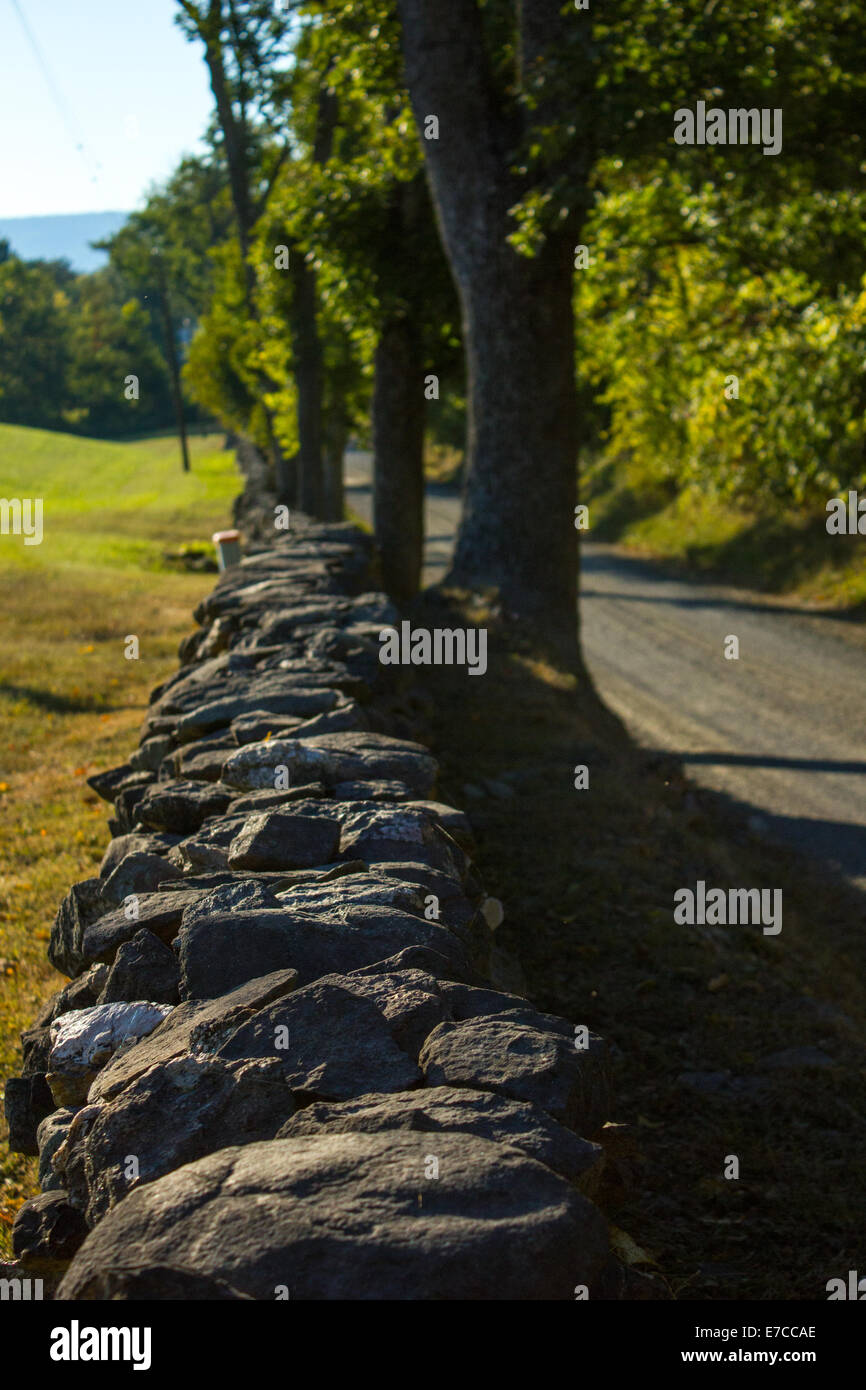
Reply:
x=190, y=685
x=408, y=999
x=333, y=758
x=280, y=625
x=126, y=801
x=201, y=764
x=375, y=607
x=218, y=714
x=151, y=753
x=208, y=849
x=159, y=913
x=176, y=1036
x=377, y=757
x=339, y=896
x=83, y=903
x=269, y=798
x=324, y=873
x=47, y=1233
x=82, y=1042
x=181, y=806
x=176, y=1113
x=281, y=840
x=139, y=873
x=51, y=1134
x=457, y=911
x=144, y=968
x=437, y=1108
x=469, y=1001
x=353, y=1216
x=136, y=842
x=26, y=1102
x=258, y=724
x=201, y=854
x=348, y=715
x=509, y=1057
x=158, y=1284
x=399, y=832
x=438, y=881
x=35, y=1049
x=256, y=767
x=425, y=958
x=248, y=894
x=218, y=953
x=372, y=791
x=455, y=822
x=111, y=783
x=337, y=1043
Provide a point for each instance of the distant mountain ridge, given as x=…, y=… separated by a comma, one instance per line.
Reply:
x=64, y=235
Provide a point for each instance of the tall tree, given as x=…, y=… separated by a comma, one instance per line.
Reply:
x=368, y=222
x=530, y=95
x=35, y=352
x=483, y=73
x=242, y=43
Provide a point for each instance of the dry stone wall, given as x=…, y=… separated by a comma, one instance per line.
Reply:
x=279, y=1069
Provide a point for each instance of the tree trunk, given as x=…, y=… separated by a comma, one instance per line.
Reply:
x=307, y=354
x=398, y=458
x=285, y=472
x=173, y=369
x=517, y=530
x=307, y=345
x=336, y=433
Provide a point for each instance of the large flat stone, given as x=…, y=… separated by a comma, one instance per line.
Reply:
x=354, y=1217
x=218, y=953
x=435, y=1109
x=333, y=758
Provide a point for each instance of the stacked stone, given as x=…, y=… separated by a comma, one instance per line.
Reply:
x=279, y=1068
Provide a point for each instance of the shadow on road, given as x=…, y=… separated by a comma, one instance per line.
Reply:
x=596, y=565
x=839, y=846
x=767, y=760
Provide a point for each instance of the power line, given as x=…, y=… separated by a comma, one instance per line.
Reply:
x=57, y=95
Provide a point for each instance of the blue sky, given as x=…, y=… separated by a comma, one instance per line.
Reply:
x=125, y=85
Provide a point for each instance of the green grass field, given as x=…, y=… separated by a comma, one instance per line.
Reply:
x=70, y=701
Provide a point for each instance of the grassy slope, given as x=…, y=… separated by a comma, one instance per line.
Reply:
x=69, y=700
x=782, y=552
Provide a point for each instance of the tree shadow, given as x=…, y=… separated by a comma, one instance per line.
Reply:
x=52, y=702
x=597, y=561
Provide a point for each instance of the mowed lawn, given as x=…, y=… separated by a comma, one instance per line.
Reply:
x=70, y=701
